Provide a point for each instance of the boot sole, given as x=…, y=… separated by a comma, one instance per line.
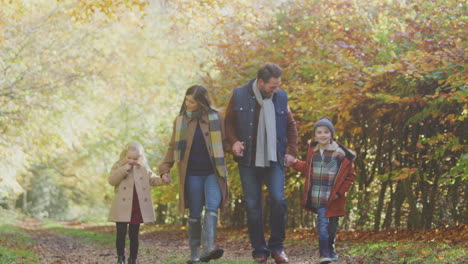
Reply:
x=215, y=254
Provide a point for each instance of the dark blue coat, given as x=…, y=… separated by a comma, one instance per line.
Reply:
x=244, y=105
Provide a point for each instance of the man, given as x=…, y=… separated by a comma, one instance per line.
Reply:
x=261, y=128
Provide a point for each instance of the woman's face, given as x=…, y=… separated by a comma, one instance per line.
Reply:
x=191, y=103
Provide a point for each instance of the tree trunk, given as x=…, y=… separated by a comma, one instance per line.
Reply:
x=414, y=217
x=399, y=199
x=238, y=213
x=388, y=214
x=429, y=207
x=160, y=213
x=378, y=212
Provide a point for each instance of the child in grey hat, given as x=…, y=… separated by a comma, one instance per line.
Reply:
x=329, y=173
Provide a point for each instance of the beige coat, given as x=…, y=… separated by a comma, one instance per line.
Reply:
x=168, y=162
x=140, y=176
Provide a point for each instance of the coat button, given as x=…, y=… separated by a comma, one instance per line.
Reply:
x=206, y=134
x=125, y=188
x=141, y=178
x=144, y=188
x=146, y=199
x=251, y=110
x=240, y=108
x=251, y=124
x=123, y=199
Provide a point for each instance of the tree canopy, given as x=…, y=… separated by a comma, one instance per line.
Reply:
x=79, y=79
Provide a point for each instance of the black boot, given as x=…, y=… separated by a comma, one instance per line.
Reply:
x=209, y=237
x=194, y=235
x=121, y=260
x=132, y=261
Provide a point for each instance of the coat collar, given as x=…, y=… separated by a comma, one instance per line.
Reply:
x=333, y=146
x=203, y=119
x=351, y=155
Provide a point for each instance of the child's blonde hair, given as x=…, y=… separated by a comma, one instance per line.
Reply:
x=132, y=146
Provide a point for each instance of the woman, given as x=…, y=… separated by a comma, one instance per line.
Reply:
x=197, y=145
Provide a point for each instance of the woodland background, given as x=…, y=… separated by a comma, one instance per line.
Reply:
x=80, y=79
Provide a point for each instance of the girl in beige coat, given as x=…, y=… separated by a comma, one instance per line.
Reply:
x=132, y=204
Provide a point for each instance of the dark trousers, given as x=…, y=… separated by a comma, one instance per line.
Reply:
x=252, y=179
x=133, y=231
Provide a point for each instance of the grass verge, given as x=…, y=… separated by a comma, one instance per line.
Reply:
x=15, y=246
x=88, y=236
x=408, y=252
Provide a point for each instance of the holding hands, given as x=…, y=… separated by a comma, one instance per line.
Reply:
x=165, y=177
x=289, y=160
x=238, y=149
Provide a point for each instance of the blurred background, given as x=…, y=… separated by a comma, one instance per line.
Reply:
x=80, y=79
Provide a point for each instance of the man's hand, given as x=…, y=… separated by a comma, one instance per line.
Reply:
x=238, y=149
x=289, y=160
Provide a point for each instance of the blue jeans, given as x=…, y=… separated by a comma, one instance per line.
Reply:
x=252, y=179
x=327, y=228
x=202, y=190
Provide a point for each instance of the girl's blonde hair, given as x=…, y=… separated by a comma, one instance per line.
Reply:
x=132, y=146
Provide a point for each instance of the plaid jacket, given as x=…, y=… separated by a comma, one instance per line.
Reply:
x=341, y=184
x=324, y=170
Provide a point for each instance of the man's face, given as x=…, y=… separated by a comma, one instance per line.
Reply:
x=267, y=89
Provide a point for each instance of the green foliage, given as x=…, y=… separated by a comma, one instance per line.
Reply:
x=72, y=94
x=46, y=198
x=81, y=79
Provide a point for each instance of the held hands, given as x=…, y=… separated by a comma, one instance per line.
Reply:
x=238, y=149
x=165, y=177
x=289, y=160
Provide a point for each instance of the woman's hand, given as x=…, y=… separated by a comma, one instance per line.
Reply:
x=165, y=177
x=238, y=149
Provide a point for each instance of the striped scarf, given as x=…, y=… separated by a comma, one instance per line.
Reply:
x=216, y=141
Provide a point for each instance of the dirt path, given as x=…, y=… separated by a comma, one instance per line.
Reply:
x=162, y=246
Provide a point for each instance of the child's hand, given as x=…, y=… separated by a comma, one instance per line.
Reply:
x=289, y=160
x=133, y=163
x=165, y=177
x=336, y=197
x=128, y=167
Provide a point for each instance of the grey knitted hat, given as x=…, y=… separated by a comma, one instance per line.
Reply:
x=326, y=122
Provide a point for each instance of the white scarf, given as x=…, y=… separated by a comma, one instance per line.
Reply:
x=266, y=132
